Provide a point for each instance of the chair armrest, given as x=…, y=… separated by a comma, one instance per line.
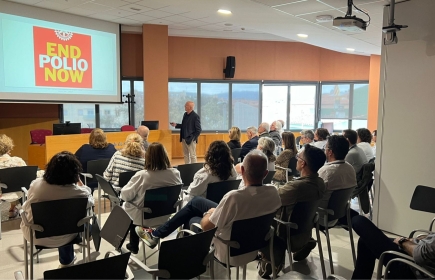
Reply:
x=153, y=271
x=87, y=175
x=84, y=221
x=282, y=168
x=410, y=263
x=185, y=231
x=381, y=260
x=292, y=225
x=325, y=211
x=336, y=277
x=18, y=275
x=25, y=191
x=143, y=209
x=233, y=244
x=178, y=203
x=209, y=257
x=195, y=225
x=27, y=224
x=3, y=186
x=411, y=235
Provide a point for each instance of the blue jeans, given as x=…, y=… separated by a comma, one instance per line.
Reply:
x=191, y=213
x=66, y=254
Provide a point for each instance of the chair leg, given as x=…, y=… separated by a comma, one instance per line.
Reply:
x=26, y=262
x=319, y=244
x=31, y=254
x=99, y=203
x=350, y=229
x=328, y=242
x=289, y=248
x=144, y=253
x=237, y=272
x=244, y=272
x=212, y=269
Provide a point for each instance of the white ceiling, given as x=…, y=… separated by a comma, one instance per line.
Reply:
x=272, y=20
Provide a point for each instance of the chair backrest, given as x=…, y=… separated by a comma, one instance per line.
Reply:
x=216, y=191
x=423, y=199
x=59, y=217
x=124, y=177
x=250, y=234
x=38, y=135
x=268, y=178
x=184, y=257
x=116, y=228
x=187, y=172
x=86, y=130
x=108, y=268
x=161, y=201
x=365, y=176
x=236, y=154
x=338, y=202
x=127, y=128
x=303, y=215
x=97, y=166
x=292, y=165
x=106, y=186
x=16, y=177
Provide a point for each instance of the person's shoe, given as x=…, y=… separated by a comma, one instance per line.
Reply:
x=70, y=264
x=146, y=234
x=131, y=249
x=13, y=213
x=303, y=253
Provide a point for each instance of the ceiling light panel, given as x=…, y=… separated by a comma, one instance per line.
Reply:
x=272, y=3
x=307, y=7
x=313, y=17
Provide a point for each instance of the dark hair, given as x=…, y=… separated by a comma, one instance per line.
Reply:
x=63, y=169
x=338, y=145
x=322, y=133
x=288, y=139
x=156, y=157
x=314, y=157
x=375, y=132
x=364, y=135
x=218, y=160
x=350, y=135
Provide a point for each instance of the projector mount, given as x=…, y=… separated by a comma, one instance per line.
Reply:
x=351, y=23
x=392, y=28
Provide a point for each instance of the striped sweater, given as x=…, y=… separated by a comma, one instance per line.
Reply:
x=119, y=163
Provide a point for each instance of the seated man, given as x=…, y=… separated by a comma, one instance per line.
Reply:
x=263, y=130
x=251, y=144
x=144, y=132
x=356, y=156
x=336, y=173
x=307, y=138
x=373, y=242
x=253, y=201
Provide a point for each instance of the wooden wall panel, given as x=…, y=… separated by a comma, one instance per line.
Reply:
x=27, y=110
x=131, y=55
x=374, y=83
x=335, y=66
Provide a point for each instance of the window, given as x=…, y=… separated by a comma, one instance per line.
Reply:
x=302, y=107
x=179, y=93
x=214, y=106
x=274, y=103
x=116, y=115
x=74, y=113
x=245, y=105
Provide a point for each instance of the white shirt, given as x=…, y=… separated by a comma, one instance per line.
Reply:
x=136, y=188
x=242, y=204
x=320, y=144
x=40, y=191
x=367, y=148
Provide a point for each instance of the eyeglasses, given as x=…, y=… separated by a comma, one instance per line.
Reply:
x=299, y=157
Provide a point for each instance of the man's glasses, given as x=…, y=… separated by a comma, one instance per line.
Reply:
x=299, y=157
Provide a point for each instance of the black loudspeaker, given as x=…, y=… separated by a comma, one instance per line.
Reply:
x=230, y=68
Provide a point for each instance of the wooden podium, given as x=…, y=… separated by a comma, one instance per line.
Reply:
x=40, y=154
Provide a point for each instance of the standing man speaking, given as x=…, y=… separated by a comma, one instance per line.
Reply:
x=190, y=130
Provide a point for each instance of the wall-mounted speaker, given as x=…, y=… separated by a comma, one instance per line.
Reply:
x=230, y=67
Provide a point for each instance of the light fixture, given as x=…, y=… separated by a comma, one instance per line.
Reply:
x=302, y=35
x=324, y=18
x=225, y=12
x=350, y=49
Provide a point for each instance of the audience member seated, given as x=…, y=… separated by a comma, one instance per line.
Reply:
x=157, y=173
x=263, y=130
x=364, y=140
x=307, y=138
x=6, y=161
x=320, y=136
x=218, y=166
x=373, y=242
x=375, y=134
x=282, y=124
x=275, y=133
x=130, y=158
x=356, y=156
x=253, y=201
x=267, y=146
x=144, y=132
x=234, y=134
x=60, y=181
x=252, y=142
x=284, y=157
x=309, y=187
x=98, y=148
x=336, y=173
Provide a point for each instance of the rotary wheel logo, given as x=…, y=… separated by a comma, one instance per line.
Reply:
x=63, y=35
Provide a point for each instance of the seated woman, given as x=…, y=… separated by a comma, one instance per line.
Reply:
x=98, y=148
x=320, y=138
x=157, y=173
x=130, y=158
x=6, y=161
x=364, y=142
x=60, y=181
x=267, y=146
x=283, y=159
x=218, y=166
x=235, y=136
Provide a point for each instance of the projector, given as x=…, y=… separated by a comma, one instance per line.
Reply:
x=349, y=24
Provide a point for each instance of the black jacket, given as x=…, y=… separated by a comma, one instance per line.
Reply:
x=190, y=127
x=248, y=146
x=234, y=144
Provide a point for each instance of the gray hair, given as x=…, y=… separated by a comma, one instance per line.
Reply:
x=252, y=129
x=268, y=147
x=278, y=126
x=255, y=163
x=266, y=126
x=308, y=133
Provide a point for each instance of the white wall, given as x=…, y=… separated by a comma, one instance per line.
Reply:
x=406, y=132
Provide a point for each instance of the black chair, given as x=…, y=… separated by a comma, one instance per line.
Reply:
x=236, y=154
x=107, y=268
x=423, y=200
x=124, y=177
x=216, y=191
x=338, y=207
x=249, y=235
x=107, y=187
x=184, y=258
x=187, y=172
x=290, y=170
x=404, y=258
x=364, y=184
x=303, y=219
x=268, y=178
x=56, y=218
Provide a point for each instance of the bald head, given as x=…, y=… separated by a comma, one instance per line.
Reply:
x=254, y=168
x=143, y=131
x=189, y=106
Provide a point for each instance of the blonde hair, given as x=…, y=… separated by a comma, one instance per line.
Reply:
x=6, y=144
x=235, y=133
x=133, y=146
x=97, y=139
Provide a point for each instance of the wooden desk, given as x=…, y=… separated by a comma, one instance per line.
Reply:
x=40, y=155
